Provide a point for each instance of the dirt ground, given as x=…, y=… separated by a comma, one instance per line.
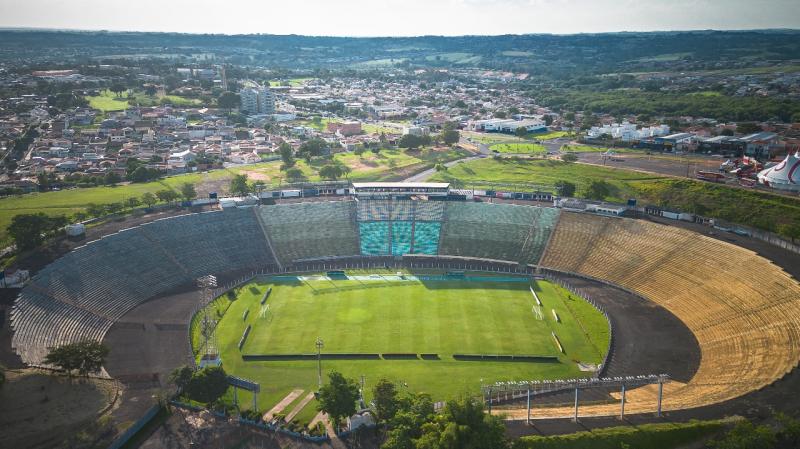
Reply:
x=38, y=409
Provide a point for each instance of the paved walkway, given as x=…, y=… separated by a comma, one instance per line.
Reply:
x=282, y=405
x=299, y=407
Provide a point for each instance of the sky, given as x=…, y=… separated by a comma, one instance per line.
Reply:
x=399, y=17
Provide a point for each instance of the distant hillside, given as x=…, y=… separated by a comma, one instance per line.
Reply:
x=541, y=54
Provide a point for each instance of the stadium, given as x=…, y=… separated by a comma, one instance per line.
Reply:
x=542, y=311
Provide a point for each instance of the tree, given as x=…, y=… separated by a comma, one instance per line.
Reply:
x=440, y=167
x=239, y=185
x=331, y=171
x=166, y=195
x=312, y=148
x=132, y=202
x=565, y=188
x=521, y=132
x=228, y=101
x=412, y=141
x=294, y=175
x=746, y=435
x=139, y=174
x=181, y=376
x=548, y=119
x=338, y=397
x=569, y=157
x=114, y=208
x=287, y=155
x=207, y=384
x=95, y=210
x=188, y=192
x=385, y=400
x=463, y=424
x=86, y=357
x=450, y=134
x=259, y=187
x=598, y=190
x=111, y=178
x=791, y=230
x=29, y=230
x=726, y=132
x=118, y=88
x=148, y=199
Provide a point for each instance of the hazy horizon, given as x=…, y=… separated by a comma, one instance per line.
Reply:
x=402, y=18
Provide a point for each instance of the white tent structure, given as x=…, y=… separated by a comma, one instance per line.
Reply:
x=784, y=176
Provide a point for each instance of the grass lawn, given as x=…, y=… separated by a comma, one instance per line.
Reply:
x=754, y=208
x=107, y=101
x=569, y=148
x=75, y=200
x=518, y=148
x=549, y=135
x=379, y=316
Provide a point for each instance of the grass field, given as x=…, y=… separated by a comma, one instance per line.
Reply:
x=412, y=316
x=518, y=148
x=754, y=208
x=107, y=101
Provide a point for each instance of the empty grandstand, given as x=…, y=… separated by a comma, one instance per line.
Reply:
x=81, y=294
x=497, y=231
x=748, y=329
x=302, y=231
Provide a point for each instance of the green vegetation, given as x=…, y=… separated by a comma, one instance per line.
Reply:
x=85, y=357
x=650, y=436
x=633, y=101
x=762, y=210
x=381, y=316
x=107, y=101
x=518, y=148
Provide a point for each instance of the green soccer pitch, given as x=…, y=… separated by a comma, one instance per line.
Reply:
x=383, y=314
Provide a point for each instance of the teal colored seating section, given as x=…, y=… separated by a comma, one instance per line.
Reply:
x=426, y=237
x=401, y=237
x=374, y=238
x=497, y=231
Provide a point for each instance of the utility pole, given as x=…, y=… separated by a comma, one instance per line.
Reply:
x=319, y=345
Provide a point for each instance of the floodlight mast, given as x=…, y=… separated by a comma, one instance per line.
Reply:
x=207, y=284
x=319, y=343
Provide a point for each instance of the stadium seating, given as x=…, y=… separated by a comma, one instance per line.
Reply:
x=374, y=238
x=426, y=238
x=81, y=294
x=496, y=231
x=743, y=310
x=401, y=237
x=302, y=231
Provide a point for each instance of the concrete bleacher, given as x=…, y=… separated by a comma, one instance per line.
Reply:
x=497, y=231
x=81, y=294
x=301, y=231
x=743, y=310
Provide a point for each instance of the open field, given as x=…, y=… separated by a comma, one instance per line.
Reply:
x=107, y=101
x=407, y=316
x=754, y=208
x=518, y=148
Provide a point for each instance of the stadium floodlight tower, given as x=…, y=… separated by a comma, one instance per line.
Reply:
x=208, y=324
